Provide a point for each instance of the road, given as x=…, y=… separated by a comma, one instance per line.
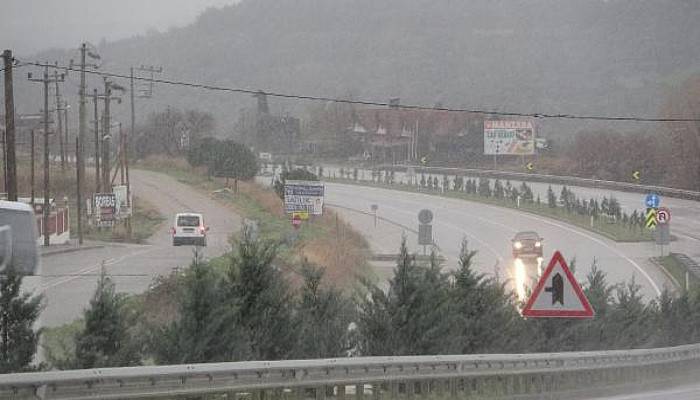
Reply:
x=489, y=230
x=69, y=280
x=685, y=221
x=690, y=392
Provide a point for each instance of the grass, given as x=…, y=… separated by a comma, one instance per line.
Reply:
x=678, y=271
x=59, y=343
x=144, y=223
x=323, y=240
x=614, y=231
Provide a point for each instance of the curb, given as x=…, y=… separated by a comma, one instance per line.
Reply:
x=71, y=250
x=670, y=277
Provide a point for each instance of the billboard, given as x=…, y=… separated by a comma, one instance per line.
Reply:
x=303, y=196
x=105, y=208
x=512, y=137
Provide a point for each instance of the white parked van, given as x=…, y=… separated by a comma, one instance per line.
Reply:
x=24, y=255
x=189, y=229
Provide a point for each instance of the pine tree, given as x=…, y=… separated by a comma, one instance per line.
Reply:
x=105, y=340
x=322, y=318
x=262, y=299
x=199, y=334
x=551, y=198
x=18, y=314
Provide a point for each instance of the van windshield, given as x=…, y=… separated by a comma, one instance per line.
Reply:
x=188, y=220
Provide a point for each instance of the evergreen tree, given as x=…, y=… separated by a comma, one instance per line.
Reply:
x=199, y=333
x=261, y=298
x=105, y=340
x=551, y=198
x=18, y=314
x=498, y=189
x=322, y=318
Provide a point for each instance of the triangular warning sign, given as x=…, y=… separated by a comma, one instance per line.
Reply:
x=558, y=294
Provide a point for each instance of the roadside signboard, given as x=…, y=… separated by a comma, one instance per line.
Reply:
x=105, y=208
x=663, y=235
x=558, y=294
x=650, y=219
x=510, y=137
x=123, y=210
x=663, y=216
x=425, y=235
x=302, y=215
x=652, y=200
x=303, y=196
x=296, y=221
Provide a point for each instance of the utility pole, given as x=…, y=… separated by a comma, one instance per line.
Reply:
x=31, y=178
x=79, y=194
x=66, y=140
x=95, y=99
x=9, y=139
x=82, y=108
x=106, y=128
x=59, y=120
x=46, y=211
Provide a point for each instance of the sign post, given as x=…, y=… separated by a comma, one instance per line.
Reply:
x=105, y=209
x=663, y=232
x=425, y=229
x=558, y=294
x=374, y=208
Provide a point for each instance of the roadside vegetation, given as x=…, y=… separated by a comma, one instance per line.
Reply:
x=244, y=307
x=604, y=217
x=144, y=223
x=678, y=271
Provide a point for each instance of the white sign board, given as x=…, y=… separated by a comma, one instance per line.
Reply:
x=123, y=209
x=558, y=294
x=510, y=137
x=105, y=208
x=303, y=196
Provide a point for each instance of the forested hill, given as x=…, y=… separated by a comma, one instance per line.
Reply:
x=556, y=56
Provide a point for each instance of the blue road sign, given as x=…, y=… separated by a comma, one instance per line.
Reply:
x=652, y=200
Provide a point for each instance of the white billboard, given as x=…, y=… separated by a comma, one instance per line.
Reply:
x=303, y=196
x=512, y=137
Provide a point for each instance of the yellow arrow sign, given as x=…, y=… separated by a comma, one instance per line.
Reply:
x=651, y=218
x=530, y=166
x=635, y=175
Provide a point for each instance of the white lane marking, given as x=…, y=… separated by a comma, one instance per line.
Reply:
x=110, y=261
x=572, y=230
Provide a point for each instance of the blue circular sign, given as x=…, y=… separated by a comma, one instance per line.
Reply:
x=652, y=200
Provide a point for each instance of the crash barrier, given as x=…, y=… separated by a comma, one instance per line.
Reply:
x=689, y=264
x=556, y=179
x=558, y=375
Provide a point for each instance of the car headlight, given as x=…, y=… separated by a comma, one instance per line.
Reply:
x=538, y=244
x=518, y=245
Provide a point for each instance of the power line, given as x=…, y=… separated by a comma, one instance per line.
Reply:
x=371, y=102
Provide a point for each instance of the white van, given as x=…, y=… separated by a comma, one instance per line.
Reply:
x=24, y=254
x=189, y=229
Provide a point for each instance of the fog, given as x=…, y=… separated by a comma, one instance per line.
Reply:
x=29, y=26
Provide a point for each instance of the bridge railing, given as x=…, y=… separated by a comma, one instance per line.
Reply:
x=393, y=377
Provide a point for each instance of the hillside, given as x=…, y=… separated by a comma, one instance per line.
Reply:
x=557, y=56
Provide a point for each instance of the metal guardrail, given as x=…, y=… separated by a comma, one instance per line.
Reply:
x=558, y=179
x=486, y=375
x=689, y=264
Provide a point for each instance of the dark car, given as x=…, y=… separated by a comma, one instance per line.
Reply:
x=527, y=245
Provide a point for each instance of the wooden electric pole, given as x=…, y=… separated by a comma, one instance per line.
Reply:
x=59, y=119
x=79, y=194
x=106, y=131
x=9, y=139
x=31, y=177
x=98, y=178
x=46, y=208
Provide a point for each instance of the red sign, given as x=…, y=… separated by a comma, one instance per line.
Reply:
x=663, y=216
x=296, y=221
x=558, y=294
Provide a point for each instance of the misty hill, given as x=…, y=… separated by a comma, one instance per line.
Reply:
x=556, y=56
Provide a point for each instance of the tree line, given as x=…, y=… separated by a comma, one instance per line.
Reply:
x=245, y=307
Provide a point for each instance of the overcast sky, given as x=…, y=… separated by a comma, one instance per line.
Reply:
x=27, y=26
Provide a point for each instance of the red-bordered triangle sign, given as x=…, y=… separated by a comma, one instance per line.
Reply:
x=558, y=294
